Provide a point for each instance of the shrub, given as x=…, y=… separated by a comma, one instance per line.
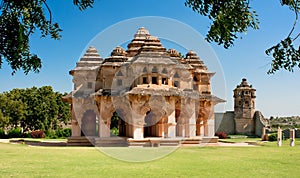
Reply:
x=63, y=133
x=2, y=134
x=37, y=134
x=221, y=135
x=114, y=131
x=51, y=134
x=26, y=135
x=273, y=137
x=67, y=132
x=15, y=133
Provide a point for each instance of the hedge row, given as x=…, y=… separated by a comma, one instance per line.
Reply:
x=17, y=133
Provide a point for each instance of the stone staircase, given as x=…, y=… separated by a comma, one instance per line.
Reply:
x=153, y=142
x=81, y=141
x=191, y=141
x=111, y=142
x=170, y=142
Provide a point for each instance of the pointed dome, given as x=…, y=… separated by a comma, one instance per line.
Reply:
x=152, y=44
x=141, y=33
x=91, y=54
x=193, y=59
x=244, y=83
x=244, y=89
x=117, y=57
x=90, y=60
x=118, y=51
x=173, y=52
x=138, y=41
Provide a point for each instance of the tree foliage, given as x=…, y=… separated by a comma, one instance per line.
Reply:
x=285, y=54
x=19, y=19
x=33, y=109
x=229, y=18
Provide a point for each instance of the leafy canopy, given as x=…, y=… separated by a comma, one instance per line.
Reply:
x=33, y=109
x=229, y=18
x=19, y=19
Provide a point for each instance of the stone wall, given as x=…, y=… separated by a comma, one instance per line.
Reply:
x=244, y=126
x=224, y=122
x=260, y=122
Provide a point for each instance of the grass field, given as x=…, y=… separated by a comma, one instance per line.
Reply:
x=18, y=160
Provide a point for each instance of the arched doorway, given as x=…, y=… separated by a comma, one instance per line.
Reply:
x=149, y=128
x=114, y=125
x=119, y=126
x=88, y=124
x=155, y=124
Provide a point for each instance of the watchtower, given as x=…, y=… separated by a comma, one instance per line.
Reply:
x=244, y=108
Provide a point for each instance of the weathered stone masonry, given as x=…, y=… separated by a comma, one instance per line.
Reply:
x=155, y=92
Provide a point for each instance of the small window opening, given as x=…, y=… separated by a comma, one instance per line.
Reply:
x=176, y=84
x=120, y=73
x=90, y=85
x=145, y=70
x=164, y=81
x=164, y=71
x=154, y=80
x=154, y=69
x=145, y=80
x=120, y=82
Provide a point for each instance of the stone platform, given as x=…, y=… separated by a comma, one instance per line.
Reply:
x=146, y=142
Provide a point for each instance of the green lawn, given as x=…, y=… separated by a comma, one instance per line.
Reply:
x=262, y=161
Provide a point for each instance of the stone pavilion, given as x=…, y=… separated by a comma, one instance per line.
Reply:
x=158, y=94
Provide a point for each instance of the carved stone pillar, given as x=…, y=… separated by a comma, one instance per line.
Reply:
x=128, y=130
x=292, y=137
x=140, y=107
x=106, y=112
x=192, y=125
x=279, y=137
x=200, y=126
x=159, y=80
x=188, y=112
x=138, y=125
x=171, y=123
x=202, y=132
x=149, y=79
x=160, y=130
x=205, y=127
x=181, y=129
x=76, y=131
x=104, y=130
x=169, y=82
x=209, y=122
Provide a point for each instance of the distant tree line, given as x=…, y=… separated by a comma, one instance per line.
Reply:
x=285, y=122
x=33, y=109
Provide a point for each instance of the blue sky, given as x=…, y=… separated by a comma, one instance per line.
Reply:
x=277, y=95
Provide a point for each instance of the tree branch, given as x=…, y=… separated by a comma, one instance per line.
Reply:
x=49, y=10
x=296, y=20
x=296, y=37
